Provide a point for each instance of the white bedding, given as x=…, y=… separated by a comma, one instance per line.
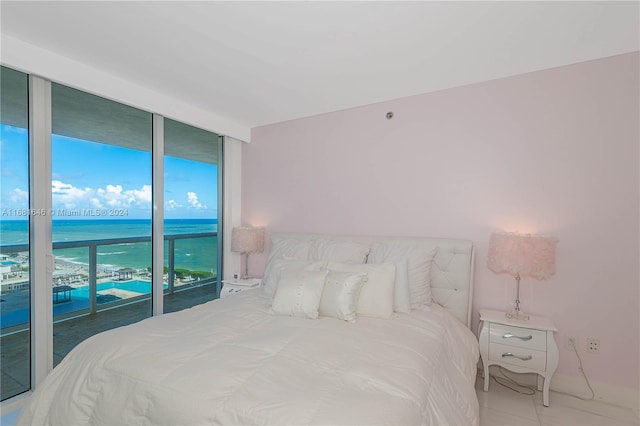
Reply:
x=230, y=362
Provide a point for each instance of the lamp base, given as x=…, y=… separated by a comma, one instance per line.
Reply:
x=517, y=316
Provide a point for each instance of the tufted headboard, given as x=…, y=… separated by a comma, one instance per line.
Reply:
x=451, y=272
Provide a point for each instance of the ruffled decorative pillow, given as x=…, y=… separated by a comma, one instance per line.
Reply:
x=298, y=293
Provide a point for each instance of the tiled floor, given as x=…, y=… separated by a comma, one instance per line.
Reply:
x=502, y=406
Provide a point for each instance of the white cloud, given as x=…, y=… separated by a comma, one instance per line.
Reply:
x=172, y=205
x=141, y=196
x=68, y=195
x=96, y=203
x=114, y=196
x=192, y=199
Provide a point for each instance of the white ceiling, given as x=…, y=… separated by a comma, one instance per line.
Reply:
x=263, y=62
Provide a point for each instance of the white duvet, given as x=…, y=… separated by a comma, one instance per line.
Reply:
x=230, y=362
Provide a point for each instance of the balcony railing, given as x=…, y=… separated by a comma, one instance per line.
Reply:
x=94, y=305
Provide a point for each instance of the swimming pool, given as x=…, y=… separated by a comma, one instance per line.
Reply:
x=138, y=286
x=79, y=301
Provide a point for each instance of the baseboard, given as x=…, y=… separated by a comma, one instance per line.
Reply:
x=605, y=392
x=576, y=385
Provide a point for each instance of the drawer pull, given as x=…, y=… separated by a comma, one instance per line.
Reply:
x=523, y=358
x=525, y=338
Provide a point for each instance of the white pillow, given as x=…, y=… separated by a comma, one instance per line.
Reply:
x=340, y=295
x=298, y=293
x=289, y=247
x=339, y=251
x=275, y=267
x=376, y=296
x=285, y=247
x=402, y=294
x=419, y=261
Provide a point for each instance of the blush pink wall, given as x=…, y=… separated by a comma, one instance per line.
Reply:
x=552, y=152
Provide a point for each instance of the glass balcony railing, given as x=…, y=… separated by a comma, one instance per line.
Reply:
x=84, y=284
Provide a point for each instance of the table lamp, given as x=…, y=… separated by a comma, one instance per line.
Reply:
x=522, y=255
x=247, y=240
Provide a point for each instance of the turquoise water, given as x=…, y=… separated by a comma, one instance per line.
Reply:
x=136, y=285
x=193, y=254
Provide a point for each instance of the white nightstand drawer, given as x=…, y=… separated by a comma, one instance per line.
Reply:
x=530, y=359
x=520, y=347
x=518, y=336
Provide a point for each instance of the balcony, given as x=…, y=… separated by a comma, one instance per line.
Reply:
x=89, y=300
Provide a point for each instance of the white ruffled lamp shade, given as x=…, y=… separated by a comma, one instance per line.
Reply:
x=246, y=240
x=522, y=255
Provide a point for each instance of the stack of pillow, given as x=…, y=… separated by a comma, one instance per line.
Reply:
x=345, y=279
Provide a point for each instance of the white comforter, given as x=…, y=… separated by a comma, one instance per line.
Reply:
x=230, y=362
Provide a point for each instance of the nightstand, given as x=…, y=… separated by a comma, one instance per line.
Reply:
x=521, y=347
x=237, y=285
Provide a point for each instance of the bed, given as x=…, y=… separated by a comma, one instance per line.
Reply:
x=316, y=344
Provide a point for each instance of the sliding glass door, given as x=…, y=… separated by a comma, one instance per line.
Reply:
x=102, y=211
x=191, y=201
x=15, y=281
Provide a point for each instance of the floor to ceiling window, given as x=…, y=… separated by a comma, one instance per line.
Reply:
x=102, y=239
x=102, y=211
x=15, y=282
x=191, y=202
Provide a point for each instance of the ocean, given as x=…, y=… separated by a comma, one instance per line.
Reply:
x=192, y=254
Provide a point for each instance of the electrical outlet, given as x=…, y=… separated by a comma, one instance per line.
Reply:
x=593, y=345
x=571, y=343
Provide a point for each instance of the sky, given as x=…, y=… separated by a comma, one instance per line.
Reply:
x=92, y=180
